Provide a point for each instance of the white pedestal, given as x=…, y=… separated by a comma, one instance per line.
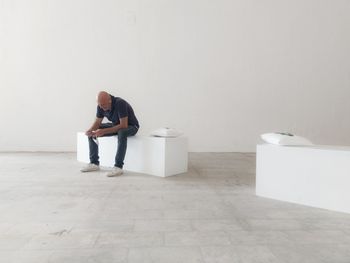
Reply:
x=151, y=155
x=317, y=176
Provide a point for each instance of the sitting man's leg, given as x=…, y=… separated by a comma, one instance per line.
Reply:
x=93, y=152
x=123, y=135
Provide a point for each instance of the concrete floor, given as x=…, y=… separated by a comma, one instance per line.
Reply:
x=50, y=212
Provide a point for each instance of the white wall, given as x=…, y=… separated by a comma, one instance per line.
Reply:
x=222, y=71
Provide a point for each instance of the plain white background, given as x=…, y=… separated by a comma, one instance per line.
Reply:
x=221, y=71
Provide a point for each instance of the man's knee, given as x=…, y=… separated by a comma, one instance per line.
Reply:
x=122, y=133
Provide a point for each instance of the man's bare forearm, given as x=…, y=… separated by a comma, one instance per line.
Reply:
x=95, y=125
x=113, y=129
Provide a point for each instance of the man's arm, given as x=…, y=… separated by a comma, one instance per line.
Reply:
x=94, y=126
x=122, y=125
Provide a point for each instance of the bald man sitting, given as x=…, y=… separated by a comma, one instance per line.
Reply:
x=123, y=123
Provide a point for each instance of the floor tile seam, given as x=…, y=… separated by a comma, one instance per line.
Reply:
x=279, y=257
x=59, y=248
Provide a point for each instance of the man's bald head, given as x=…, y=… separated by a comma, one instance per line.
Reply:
x=104, y=100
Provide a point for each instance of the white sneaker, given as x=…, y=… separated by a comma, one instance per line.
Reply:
x=91, y=167
x=116, y=171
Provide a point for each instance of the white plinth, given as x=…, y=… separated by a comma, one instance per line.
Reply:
x=317, y=176
x=151, y=155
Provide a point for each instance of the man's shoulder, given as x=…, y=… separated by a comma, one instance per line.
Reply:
x=120, y=101
x=117, y=99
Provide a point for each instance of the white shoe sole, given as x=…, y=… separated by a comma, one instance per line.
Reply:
x=92, y=170
x=114, y=175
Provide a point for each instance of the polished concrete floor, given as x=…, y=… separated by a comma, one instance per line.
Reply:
x=50, y=212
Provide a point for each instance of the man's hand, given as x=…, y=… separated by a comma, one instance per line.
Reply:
x=94, y=126
x=98, y=133
x=88, y=133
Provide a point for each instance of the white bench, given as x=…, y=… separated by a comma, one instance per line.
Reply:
x=317, y=176
x=150, y=155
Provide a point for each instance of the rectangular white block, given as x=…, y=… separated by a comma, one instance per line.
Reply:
x=317, y=176
x=151, y=155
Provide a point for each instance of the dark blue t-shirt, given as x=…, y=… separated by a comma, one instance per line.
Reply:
x=120, y=109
